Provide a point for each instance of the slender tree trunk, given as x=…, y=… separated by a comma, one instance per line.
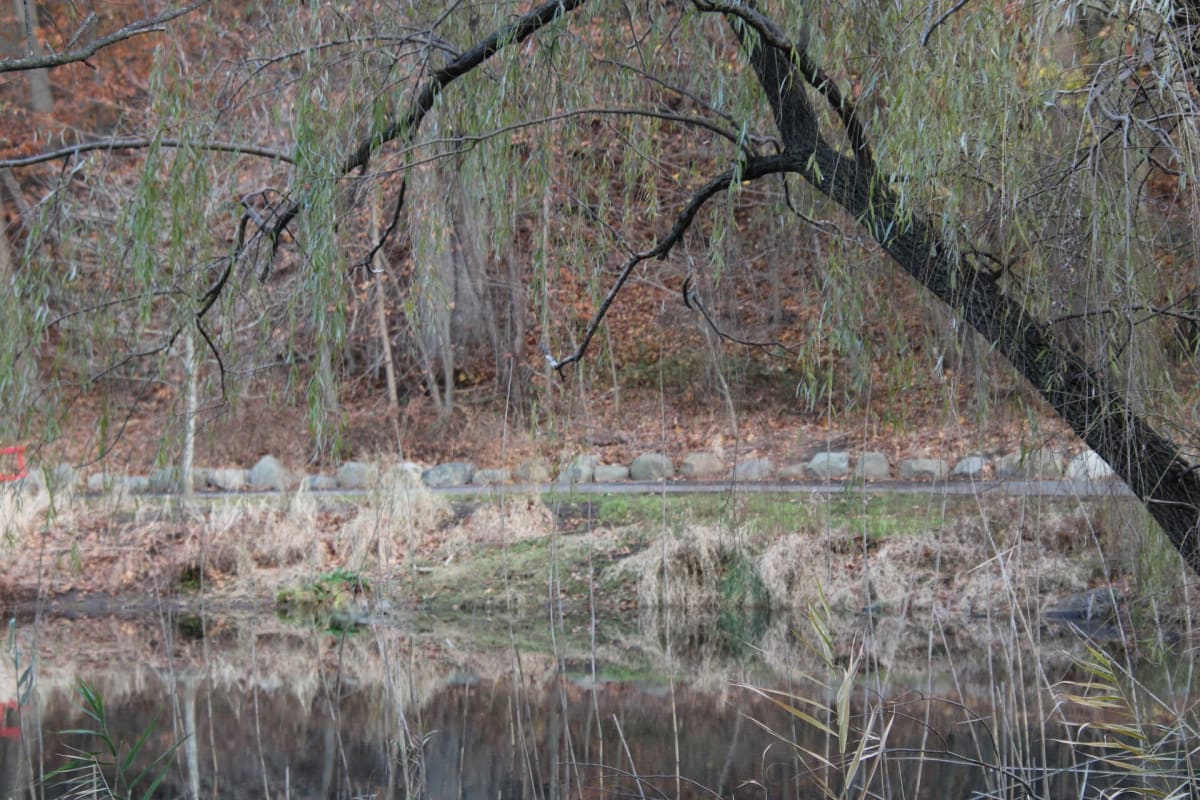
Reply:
x=191, y=403
x=379, y=264
x=191, y=748
x=40, y=97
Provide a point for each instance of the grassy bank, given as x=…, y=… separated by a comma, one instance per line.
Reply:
x=909, y=561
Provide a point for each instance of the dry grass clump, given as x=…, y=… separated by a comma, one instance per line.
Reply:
x=40, y=498
x=20, y=512
x=983, y=579
x=700, y=598
x=401, y=513
x=685, y=570
x=797, y=567
x=502, y=523
x=268, y=537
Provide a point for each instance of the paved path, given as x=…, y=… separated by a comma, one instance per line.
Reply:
x=958, y=487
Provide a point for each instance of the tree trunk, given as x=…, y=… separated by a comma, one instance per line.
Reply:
x=41, y=99
x=1150, y=463
x=191, y=364
x=379, y=266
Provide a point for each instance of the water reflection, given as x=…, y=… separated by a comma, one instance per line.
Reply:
x=480, y=708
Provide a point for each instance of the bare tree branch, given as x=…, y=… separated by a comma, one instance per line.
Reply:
x=83, y=53
x=933, y=26
x=756, y=167
x=139, y=144
x=691, y=299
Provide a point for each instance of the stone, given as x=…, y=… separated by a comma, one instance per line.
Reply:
x=873, y=466
x=200, y=478
x=1089, y=466
x=319, y=483
x=793, y=472
x=581, y=469
x=1044, y=465
x=268, y=473
x=406, y=473
x=357, y=476
x=754, y=469
x=135, y=484
x=533, y=472
x=455, y=473
x=829, y=465
x=611, y=473
x=916, y=469
x=1010, y=465
x=701, y=465
x=1035, y=465
x=165, y=480
x=970, y=467
x=491, y=477
x=62, y=478
x=651, y=467
x=118, y=484
x=228, y=479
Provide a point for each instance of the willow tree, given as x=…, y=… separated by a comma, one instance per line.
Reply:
x=1032, y=166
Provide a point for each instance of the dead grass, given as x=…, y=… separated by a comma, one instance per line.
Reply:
x=20, y=512
x=398, y=514
x=401, y=514
x=496, y=525
x=981, y=582
x=984, y=580
x=683, y=570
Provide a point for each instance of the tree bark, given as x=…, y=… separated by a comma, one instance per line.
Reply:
x=40, y=97
x=1150, y=463
x=187, y=463
x=379, y=267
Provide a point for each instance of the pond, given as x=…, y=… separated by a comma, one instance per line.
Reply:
x=489, y=706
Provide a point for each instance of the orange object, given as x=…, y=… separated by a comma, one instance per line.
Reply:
x=19, y=452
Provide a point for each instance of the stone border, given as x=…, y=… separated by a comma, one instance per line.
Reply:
x=268, y=474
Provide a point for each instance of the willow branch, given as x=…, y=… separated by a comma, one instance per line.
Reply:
x=406, y=125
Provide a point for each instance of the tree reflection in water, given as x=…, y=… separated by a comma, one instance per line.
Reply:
x=391, y=713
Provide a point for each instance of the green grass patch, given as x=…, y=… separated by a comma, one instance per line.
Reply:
x=526, y=574
x=326, y=602
x=767, y=514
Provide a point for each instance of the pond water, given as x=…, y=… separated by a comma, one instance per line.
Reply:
x=478, y=706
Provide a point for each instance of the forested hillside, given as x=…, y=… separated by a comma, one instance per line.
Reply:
x=371, y=226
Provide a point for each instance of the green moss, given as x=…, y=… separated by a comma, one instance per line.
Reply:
x=327, y=602
x=190, y=627
x=191, y=579
x=745, y=612
x=741, y=585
